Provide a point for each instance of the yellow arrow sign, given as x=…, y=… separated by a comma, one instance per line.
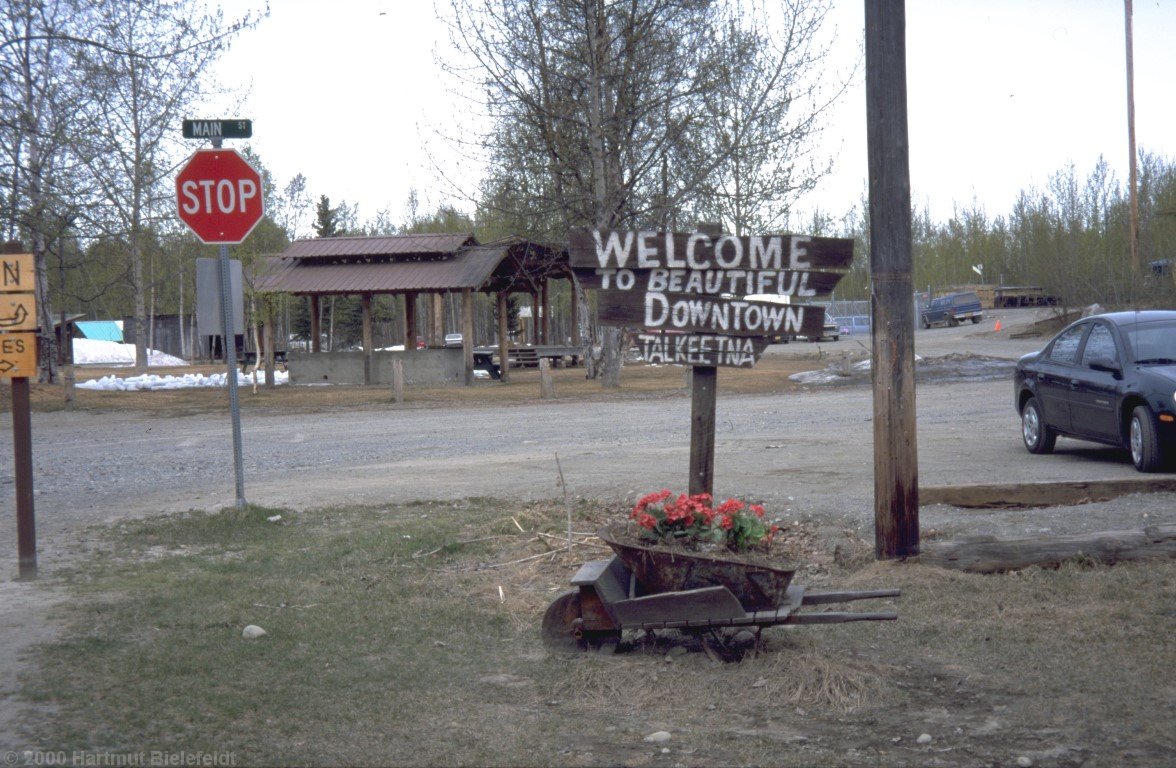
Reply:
x=18, y=312
x=17, y=273
x=18, y=355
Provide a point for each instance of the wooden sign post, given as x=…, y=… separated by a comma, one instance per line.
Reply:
x=18, y=361
x=687, y=291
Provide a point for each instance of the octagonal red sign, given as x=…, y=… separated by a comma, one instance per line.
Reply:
x=219, y=196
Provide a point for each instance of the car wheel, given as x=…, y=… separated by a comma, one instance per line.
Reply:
x=1038, y=437
x=975, y=319
x=926, y=324
x=1145, y=447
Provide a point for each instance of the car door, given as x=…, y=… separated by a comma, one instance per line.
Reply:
x=1094, y=396
x=1055, y=372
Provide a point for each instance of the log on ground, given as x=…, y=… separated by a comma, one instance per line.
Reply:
x=995, y=555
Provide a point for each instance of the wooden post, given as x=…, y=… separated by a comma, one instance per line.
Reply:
x=703, y=390
x=398, y=380
x=546, y=388
x=896, y=483
x=437, y=329
x=365, y=304
x=575, y=312
x=535, y=317
x=503, y=337
x=410, y=322
x=467, y=333
x=267, y=339
x=316, y=330
x=544, y=313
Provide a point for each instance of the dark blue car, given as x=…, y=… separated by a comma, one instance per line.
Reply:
x=1110, y=379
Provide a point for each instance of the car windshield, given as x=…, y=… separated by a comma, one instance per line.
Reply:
x=1152, y=342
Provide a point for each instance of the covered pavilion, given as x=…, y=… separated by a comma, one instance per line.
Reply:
x=410, y=266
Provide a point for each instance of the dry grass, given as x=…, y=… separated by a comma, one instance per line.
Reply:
x=408, y=635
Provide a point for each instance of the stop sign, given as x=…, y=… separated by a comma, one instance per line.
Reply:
x=219, y=196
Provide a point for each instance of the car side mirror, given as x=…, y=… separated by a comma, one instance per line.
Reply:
x=1106, y=364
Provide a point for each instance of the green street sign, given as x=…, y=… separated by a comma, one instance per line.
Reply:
x=218, y=129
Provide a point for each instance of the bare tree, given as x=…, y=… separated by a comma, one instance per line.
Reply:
x=143, y=85
x=601, y=110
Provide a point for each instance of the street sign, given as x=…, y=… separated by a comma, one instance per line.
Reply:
x=18, y=355
x=219, y=196
x=700, y=349
x=218, y=129
x=708, y=314
x=16, y=272
x=18, y=312
x=612, y=249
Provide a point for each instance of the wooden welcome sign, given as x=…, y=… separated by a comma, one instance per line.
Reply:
x=694, y=284
x=687, y=290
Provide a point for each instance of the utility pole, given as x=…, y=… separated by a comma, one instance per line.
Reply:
x=1133, y=172
x=896, y=471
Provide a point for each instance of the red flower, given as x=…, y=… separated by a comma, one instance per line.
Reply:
x=647, y=521
x=757, y=510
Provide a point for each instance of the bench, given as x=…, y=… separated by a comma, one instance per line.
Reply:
x=249, y=360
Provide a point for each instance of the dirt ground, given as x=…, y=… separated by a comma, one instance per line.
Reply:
x=803, y=448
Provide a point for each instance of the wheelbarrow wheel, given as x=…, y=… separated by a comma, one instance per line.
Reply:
x=561, y=623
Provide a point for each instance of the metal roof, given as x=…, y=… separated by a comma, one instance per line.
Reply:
x=444, y=244
x=100, y=330
x=401, y=264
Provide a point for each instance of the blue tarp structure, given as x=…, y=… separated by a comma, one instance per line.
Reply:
x=100, y=330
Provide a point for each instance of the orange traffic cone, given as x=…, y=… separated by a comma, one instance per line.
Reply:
x=997, y=328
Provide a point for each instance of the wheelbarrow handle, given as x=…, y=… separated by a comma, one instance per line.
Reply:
x=821, y=598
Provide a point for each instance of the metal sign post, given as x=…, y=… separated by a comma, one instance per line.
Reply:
x=219, y=197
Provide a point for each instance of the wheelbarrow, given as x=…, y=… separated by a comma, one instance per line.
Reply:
x=652, y=588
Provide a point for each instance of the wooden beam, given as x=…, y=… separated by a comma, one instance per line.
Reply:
x=316, y=325
x=896, y=475
x=410, y=321
x=437, y=325
x=365, y=304
x=575, y=312
x=703, y=396
x=994, y=555
x=1018, y=495
x=503, y=336
x=544, y=313
x=467, y=333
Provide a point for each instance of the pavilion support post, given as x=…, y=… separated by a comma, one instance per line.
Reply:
x=438, y=329
x=503, y=336
x=267, y=338
x=575, y=313
x=410, y=322
x=365, y=303
x=316, y=325
x=535, y=317
x=467, y=333
x=544, y=313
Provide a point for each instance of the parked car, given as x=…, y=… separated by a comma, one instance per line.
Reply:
x=852, y=324
x=453, y=339
x=1108, y=378
x=953, y=309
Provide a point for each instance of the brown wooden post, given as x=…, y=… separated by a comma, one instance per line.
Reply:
x=503, y=336
x=267, y=338
x=703, y=391
x=365, y=305
x=437, y=330
x=575, y=312
x=544, y=313
x=896, y=474
x=535, y=317
x=467, y=333
x=410, y=322
x=316, y=330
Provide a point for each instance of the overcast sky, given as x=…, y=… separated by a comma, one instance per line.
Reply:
x=1001, y=95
